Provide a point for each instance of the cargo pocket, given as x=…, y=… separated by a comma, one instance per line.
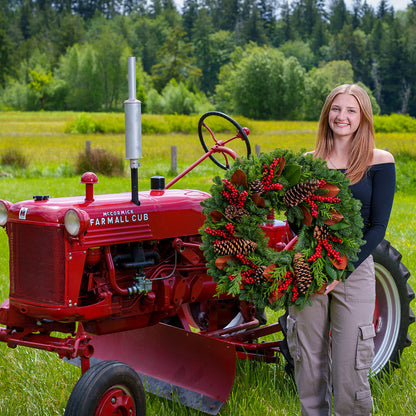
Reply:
x=363, y=403
x=292, y=338
x=365, y=347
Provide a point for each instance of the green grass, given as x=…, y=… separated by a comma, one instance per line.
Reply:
x=38, y=383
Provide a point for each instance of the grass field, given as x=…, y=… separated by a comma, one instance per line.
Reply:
x=35, y=383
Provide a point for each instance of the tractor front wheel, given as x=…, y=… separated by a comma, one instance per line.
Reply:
x=107, y=388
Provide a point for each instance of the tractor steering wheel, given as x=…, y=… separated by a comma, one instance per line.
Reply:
x=241, y=134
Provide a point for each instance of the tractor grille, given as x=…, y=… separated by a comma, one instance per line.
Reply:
x=37, y=263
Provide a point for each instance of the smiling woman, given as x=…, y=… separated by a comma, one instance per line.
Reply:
x=345, y=140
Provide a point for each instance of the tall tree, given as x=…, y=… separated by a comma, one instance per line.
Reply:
x=294, y=89
x=227, y=13
x=190, y=15
x=338, y=15
x=68, y=30
x=148, y=37
x=284, y=24
x=111, y=52
x=257, y=87
x=25, y=18
x=175, y=60
x=392, y=61
x=368, y=18
x=253, y=27
x=205, y=51
x=383, y=9
x=351, y=45
x=267, y=16
x=79, y=71
x=5, y=53
x=356, y=13
x=306, y=15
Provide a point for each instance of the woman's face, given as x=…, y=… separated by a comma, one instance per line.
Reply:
x=344, y=115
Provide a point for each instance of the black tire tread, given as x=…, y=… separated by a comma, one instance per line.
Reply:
x=95, y=381
x=387, y=256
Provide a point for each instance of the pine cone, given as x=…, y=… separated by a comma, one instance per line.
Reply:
x=256, y=187
x=258, y=276
x=232, y=247
x=302, y=273
x=235, y=213
x=296, y=194
x=321, y=232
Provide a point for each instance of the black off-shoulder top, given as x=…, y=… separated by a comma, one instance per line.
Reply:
x=375, y=190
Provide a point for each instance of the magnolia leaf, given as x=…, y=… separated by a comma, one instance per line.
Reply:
x=307, y=217
x=336, y=217
x=272, y=298
x=239, y=178
x=268, y=272
x=282, y=163
x=217, y=216
x=222, y=262
x=292, y=174
x=340, y=265
x=341, y=274
x=332, y=190
x=339, y=226
x=331, y=272
x=258, y=200
x=321, y=290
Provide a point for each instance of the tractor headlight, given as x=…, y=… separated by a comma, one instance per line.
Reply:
x=4, y=208
x=76, y=221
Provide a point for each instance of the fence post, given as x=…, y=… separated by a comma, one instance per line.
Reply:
x=88, y=146
x=173, y=158
x=257, y=150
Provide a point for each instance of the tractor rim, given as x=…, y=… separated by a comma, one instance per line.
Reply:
x=387, y=321
x=116, y=401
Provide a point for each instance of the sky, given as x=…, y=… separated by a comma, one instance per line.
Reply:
x=397, y=4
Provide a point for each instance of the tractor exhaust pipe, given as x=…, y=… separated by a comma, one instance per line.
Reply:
x=133, y=130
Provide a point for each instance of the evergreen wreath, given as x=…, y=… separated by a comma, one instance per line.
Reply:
x=315, y=200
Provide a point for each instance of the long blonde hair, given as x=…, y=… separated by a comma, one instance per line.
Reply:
x=363, y=141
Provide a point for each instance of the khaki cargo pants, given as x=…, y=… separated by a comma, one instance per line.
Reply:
x=335, y=365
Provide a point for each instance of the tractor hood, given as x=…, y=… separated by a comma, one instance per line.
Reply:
x=114, y=218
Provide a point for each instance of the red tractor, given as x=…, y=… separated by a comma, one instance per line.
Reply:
x=122, y=278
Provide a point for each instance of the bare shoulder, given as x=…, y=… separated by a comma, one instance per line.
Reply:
x=382, y=156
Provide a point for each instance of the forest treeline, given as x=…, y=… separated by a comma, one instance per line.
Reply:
x=263, y=59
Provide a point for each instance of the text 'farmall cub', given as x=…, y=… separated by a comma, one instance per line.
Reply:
x=123, y=276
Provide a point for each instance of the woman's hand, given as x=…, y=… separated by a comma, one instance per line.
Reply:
x=331, y=286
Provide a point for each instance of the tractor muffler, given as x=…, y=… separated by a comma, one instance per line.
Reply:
x=133, y=130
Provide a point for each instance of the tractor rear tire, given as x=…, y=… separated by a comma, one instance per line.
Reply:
x=392, y=315
x=109, y=387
